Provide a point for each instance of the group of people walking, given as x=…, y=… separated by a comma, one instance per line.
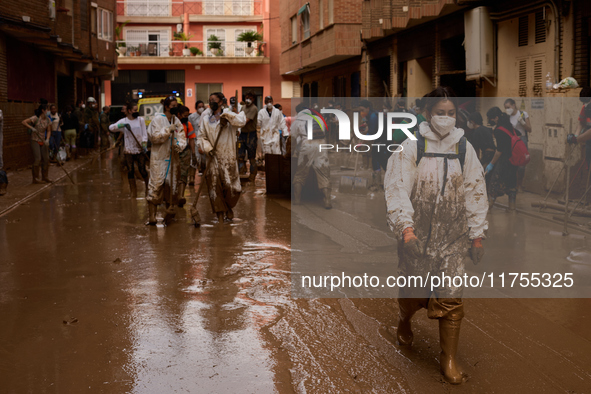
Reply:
x=215, y=140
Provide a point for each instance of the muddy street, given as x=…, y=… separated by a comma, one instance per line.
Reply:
x=93, y=300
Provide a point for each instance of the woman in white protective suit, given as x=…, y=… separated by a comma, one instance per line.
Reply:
x=437, y=206
x=167, y=135
x=270, y=121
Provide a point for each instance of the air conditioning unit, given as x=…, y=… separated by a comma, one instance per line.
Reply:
x=479, y=44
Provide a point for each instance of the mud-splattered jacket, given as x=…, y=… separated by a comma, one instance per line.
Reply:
x=225, y=152
x=408, y=186
x=160, y=160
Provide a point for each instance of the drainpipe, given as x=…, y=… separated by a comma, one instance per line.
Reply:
x=186, y=23
x=520, y=11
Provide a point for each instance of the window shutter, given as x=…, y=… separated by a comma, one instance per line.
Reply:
x=297, y=89
x=540, y=27
x=538, y=78
x=522, y=78
x=523, y=31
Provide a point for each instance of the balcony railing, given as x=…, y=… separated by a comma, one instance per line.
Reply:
x=175, y=48
x=192, y=7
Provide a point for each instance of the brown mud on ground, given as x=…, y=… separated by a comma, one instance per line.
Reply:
x=94, y=301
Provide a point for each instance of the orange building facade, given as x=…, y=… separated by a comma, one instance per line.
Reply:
x=191, y=48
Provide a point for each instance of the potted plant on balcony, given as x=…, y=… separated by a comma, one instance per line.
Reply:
x=249, y=37
x=132, y=51
x=138, y=51
x=184, y=37
x=196, y=51
x=121, y=46
x=170, y=51
x=214, y=45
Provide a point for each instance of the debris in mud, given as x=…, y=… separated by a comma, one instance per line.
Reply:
x=117, y=261
x=73, y=320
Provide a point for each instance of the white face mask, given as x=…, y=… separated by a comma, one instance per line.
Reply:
x=509, y=111
x=248, y=101
x=270, y=106
x=442, y=125
x=200, y=110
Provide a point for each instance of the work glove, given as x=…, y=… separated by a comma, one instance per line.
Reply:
x=489, y=167
x=145, y=146
x=476, y=251
x=411, y=244
x=223, y=122
x=571, y=139
x=47, y=142
x=128, y=127
x=171, y=129
x=123, y=125
x=522, y=121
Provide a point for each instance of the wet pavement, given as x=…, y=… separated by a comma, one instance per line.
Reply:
x=94, y=301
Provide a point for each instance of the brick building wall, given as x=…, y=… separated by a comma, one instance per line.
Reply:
x=67, y=76
x=329, y=43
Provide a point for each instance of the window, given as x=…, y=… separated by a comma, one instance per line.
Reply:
x=305, y=24
x=213, y=7
x=242, y=7
x=93, y=20
x=540, y=27
x=240, y=47
x=148, y=8
x=105, y=24
x=320, y=14
x=523, y=31
x=204, y=90
x=149, y=42
x=290, y=89
x=294, y=30
x=221, y=36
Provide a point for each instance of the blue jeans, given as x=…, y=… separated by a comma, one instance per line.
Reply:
x=247, y=143
x=56, y=140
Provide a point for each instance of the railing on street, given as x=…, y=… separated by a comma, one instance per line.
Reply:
x=192, y=7
x=189, y=48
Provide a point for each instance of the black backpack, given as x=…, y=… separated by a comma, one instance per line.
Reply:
x=460, y=155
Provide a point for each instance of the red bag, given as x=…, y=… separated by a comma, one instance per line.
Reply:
x=519, y=153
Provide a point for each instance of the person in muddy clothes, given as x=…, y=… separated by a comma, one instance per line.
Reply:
x=39, y=127
x=135, y=148
x=501, y=175
x=481, y=138
x=436, y=201
x=167, y=134
x=248, y=140
x=187, y=155
x=309, y=155
x=221, y=168
x=90, y=133
x=105, y=123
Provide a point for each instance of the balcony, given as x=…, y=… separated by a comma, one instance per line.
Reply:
x=138, y=11
x=177, y=52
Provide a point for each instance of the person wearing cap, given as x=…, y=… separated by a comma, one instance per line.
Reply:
x=270, y=121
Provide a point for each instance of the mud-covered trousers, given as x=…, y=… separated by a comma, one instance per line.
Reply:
x=140, y=159
x=442, y=303
x=185, y=163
